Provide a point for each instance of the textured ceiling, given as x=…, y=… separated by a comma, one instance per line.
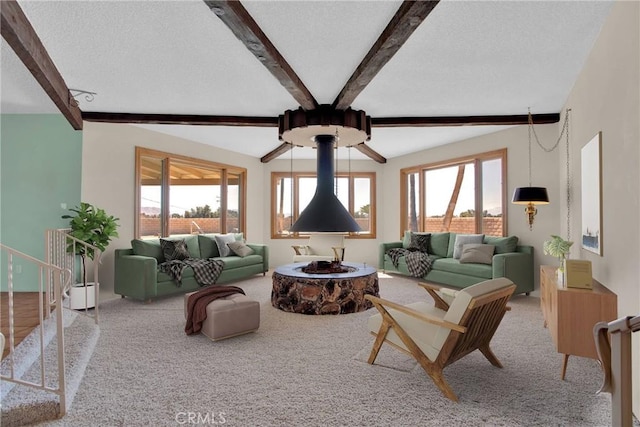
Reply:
x=467, y=58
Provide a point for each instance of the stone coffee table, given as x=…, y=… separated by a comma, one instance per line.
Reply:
x=316, y=293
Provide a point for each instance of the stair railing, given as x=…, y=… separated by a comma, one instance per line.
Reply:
x=59, y=278
x=61, y=248
x=613, y=342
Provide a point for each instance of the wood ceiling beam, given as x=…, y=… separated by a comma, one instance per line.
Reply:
x=370, y=152
x=179, y=119
x=23, y=39
x=520, y=119
x=408, y=17
x=236, y=17
x=281, y=149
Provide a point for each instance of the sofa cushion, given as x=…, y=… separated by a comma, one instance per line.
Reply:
x=503, y=244
x=477, y=253
x=231, y=262
x=208, y=246
x=439, y=244
x=240, y=248
x=174, y=249
x=462, y=239
x=187, y=273
x=453, y=266
x=148, y=247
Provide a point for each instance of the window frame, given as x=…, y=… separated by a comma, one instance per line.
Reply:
x=295, y=176
x=477, y=160
x=165, y=184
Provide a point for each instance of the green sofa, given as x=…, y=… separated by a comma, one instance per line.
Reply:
x=510, y=260
x=137, y=275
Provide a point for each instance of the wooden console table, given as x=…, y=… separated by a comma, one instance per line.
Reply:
x=570, y=314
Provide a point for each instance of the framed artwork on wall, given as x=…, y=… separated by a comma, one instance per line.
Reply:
x=591, y=170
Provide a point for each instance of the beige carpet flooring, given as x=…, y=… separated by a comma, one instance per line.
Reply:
x=299, y=370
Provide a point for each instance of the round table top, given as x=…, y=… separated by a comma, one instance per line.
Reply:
x=295, y=270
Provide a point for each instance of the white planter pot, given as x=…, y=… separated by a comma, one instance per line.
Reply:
x=77, y=294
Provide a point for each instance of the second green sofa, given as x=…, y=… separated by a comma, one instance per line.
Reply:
x=510, y=260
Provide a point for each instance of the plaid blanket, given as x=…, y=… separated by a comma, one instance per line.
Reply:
x=205, y=271
x=418, y=263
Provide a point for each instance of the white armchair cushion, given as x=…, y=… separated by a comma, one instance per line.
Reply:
x=422, y=333
x=319, y=248
x=463, y=297
x=447, y=294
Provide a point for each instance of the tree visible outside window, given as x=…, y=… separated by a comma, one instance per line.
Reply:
x=446, y=196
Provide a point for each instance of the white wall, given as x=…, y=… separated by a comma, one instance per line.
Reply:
x=108, y=178
x=515, y=140
x=606, y=98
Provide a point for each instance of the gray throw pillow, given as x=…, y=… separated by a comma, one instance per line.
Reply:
x=222, y=240
x=462, y=239
x=174, y=249
x=477, y=253
x=240, y=249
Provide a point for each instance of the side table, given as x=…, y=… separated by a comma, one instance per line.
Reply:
x=570, y=314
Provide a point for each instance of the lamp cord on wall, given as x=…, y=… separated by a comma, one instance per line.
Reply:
x=563, y=132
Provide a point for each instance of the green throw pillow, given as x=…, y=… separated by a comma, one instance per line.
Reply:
x=439, y=243
x=503, y=244
x=150, y=248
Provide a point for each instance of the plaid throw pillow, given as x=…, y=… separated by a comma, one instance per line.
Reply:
x=174, y=249
x=419, y=242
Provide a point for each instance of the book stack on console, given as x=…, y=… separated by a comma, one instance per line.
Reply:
x=577, y=274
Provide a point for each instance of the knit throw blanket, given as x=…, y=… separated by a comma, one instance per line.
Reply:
x=418, y=263
x=205, y=271
x=197, y=305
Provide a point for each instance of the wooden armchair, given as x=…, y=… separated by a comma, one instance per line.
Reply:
x=438, y=335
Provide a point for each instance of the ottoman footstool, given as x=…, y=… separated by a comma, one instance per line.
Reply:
x=227, y=317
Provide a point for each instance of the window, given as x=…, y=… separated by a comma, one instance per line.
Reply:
x=182, y=195
x=292, y=192
x=446, y=196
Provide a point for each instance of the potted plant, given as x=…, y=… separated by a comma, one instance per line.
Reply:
x=559, y=248
x=93, y=226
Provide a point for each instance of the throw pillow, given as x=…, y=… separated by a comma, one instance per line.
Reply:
x=503, y=244
x=150, y=247
x=240, y=249
x=174, y=249
x=222, y=240
x=419, y=242
x=462, y=239
x=477, y=253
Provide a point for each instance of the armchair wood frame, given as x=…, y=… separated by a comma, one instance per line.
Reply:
x=474, y=331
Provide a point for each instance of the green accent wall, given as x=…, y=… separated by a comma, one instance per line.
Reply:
x=40, y=169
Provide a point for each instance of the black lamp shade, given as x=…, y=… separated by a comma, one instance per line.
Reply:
x=534, y=195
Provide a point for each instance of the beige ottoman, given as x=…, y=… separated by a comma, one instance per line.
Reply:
x=230, y=316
